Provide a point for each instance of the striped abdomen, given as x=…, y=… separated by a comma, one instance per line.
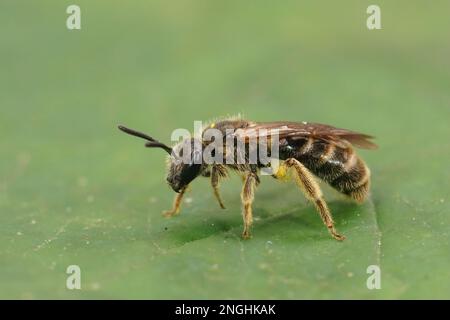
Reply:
x=338, y=166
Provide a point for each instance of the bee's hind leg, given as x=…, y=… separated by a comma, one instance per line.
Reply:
x=217, y=172
x=311, y=189
x=247, y=196
x=176, y=204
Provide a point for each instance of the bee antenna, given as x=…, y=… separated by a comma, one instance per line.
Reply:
x=152, y=143
x=136, y=133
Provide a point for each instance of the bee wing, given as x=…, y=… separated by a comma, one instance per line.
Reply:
x=293, y=130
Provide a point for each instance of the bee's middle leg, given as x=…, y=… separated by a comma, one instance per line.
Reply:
x=312, y=191
x=176, y=204
x=216, y=174
x=247, y=197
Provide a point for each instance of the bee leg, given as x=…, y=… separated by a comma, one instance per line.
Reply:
x=311, y=189
x=247, y=196
x=216, y=174
x=176, y=204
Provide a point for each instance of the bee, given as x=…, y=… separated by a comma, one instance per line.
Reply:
x=306, y=151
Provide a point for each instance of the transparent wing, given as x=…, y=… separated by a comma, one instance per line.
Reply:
x=299, y=130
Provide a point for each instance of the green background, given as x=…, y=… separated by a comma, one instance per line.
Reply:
x=74, y=190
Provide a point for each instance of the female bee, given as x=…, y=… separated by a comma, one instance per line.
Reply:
x=304, y=149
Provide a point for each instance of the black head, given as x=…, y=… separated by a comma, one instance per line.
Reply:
x=185, y=164
x=185, y=159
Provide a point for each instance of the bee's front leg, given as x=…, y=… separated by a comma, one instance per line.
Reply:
x=247, y=197
x=176, y=204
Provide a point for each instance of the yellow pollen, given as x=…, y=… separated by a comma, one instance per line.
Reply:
x=281, y=173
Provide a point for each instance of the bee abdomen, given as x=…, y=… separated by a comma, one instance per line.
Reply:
x=355, y=181
x=340, y=167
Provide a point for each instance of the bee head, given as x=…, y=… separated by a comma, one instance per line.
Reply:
x=185, y=163
x=185, y=159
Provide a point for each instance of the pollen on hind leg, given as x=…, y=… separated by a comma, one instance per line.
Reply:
x=281, y=173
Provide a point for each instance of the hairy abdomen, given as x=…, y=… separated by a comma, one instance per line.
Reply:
x=339, y=166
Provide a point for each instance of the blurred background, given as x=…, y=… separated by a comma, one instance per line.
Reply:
x=76, y=191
